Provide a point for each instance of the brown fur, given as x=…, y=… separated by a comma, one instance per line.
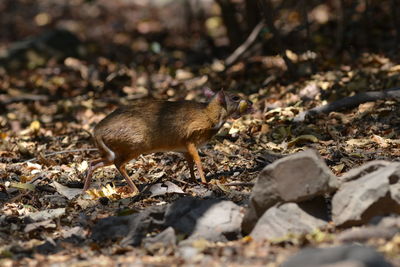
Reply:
x=154, y=126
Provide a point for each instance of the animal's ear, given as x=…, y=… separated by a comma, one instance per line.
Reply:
x=208, y=93
x=221, y=97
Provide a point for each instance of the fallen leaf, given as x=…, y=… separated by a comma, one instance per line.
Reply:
x=46, y=214
x=67, y=192
x=302, y=139
x=165, y=188
x=45, y=224
x=26, y=186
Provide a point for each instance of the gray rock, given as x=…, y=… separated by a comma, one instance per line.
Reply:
x=395, y=192
x=295, y=178
x=378, y=227
x=369, y=167
x=210, y=219
x=346, y=255
x=357, y=201
x=361, y=234
x=388, y=221
x=166, y=238
x=290, y=218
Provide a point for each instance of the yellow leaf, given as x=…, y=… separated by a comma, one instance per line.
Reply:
x=35, y=126
x=338, y=168
x=302, y=139
x=3, y=135
x=26, y=186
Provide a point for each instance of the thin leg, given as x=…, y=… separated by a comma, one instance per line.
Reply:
x=122, y=171
x=94, y=164
x=189, y=159
x=192, y=151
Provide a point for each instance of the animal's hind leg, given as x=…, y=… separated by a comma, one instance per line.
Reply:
x=94, y=164
x=122, y=171
x=190, y=162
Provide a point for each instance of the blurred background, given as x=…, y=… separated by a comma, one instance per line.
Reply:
x=174, y=33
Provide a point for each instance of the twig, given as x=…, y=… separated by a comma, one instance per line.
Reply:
x=22, y=98
x=63, y=152
x=250, y=41
x=240, y=184
x=350, y=102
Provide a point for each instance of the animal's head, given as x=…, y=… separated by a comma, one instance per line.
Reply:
x=234, y=105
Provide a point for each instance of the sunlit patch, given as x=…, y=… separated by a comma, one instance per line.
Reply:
x=111, y=192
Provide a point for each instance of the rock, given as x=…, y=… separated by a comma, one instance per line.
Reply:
x=290, y=218
x=388, y=222
x=357, y=201
x=295, y=178
x=166, y=238
x=364, y=233
x=395, y=191
x=378, y=227
x=210, y=219
x=346, y=255
x=369, y=167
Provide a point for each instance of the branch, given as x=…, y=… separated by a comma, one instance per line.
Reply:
x=350, y=102
x=5, y=100
x=239, y=184
x=250, y=41
x=63, y=152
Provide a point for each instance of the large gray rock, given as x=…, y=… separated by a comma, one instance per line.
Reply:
x=346, y=256
x=290, y=218
x=295, y=178
x=371, y=192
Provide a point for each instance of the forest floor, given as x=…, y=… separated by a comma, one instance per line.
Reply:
x=49, y=108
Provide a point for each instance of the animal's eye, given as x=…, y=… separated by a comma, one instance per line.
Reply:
x=235, y=98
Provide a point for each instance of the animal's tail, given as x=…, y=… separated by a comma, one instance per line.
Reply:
x=110, y=155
